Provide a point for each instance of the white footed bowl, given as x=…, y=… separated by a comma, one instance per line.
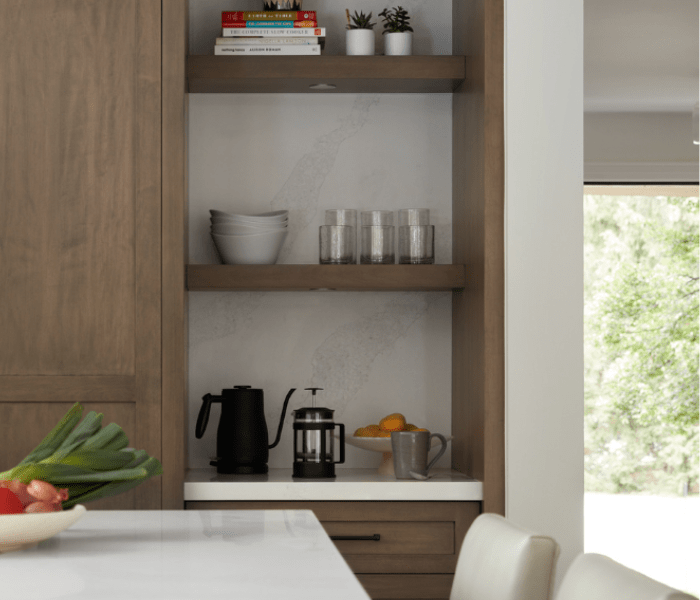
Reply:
x=26, y=530
x=236, y=229
x=262, y=249
x=268, y=217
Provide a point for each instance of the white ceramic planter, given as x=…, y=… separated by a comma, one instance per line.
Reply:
x=359, y=42
x=398, y=44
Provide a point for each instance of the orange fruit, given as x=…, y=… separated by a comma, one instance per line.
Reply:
x=369, y=431
x=420, y=429
x=393, y=422
x=410, y=427
x=384, y=434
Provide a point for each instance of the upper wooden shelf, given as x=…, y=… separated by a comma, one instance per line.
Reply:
x=325, y=277
x=350, y=74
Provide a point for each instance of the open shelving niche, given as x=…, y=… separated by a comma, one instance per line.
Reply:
x=327, y=74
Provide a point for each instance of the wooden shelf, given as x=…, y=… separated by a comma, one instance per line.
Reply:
x=325, y=277
x=350, y=74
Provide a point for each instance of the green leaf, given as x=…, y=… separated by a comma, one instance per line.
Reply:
x=56, y=436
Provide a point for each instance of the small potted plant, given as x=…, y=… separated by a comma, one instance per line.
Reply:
x=399, y=34
x=359, y=37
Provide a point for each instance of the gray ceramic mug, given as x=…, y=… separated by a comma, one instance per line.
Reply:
x=410, y=450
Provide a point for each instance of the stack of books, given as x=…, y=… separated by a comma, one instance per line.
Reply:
x=270, y=33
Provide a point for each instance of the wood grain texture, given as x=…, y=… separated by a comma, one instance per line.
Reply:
x=406, y=586
x=34, y=388
x=478, y=367
x=399, y=537
x=148, y=243
x=23, y=426
x=80, y=178
x=174, y=255
x=327, y=277
x=350, y=74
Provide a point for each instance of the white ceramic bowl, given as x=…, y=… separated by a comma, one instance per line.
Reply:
x=268, y=217
x=235, y=228
x=260, y=249
x=26, y=530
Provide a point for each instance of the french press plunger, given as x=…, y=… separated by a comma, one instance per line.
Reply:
x=313, y=441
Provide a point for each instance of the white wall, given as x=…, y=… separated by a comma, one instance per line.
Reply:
x=544, y=269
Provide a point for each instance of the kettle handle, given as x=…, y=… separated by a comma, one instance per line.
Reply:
x=284, y=411
x=203, y=417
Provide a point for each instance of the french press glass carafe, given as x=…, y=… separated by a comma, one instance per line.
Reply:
x=313, y=441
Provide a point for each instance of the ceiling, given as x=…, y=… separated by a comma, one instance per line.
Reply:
x=640, y=55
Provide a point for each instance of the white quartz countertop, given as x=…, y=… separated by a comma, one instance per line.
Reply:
x=349, y=484
x=183, y=555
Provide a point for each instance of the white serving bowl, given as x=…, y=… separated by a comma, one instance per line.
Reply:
x=28, y=529
x=256, y=249
x=235, y=228
x=268, y=217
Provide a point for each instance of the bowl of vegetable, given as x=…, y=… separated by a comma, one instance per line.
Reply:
x=32, y=513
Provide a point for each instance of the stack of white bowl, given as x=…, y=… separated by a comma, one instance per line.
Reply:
x=249, y=239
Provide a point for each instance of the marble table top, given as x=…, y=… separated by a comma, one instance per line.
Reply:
x=188, y=555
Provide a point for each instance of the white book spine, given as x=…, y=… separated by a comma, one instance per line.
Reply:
x=271, y=50
x=274, y=31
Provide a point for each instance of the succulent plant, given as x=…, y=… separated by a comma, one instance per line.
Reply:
x=395, y=20
x=359, y=21
x=281, y=5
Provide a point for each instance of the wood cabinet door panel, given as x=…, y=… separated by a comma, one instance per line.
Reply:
x=80, y=216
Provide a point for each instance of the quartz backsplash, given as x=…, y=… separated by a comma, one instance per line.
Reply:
x=373, y=353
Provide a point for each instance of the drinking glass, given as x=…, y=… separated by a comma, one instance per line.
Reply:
x=377, y=245
x=416, y=244
x=414, y=216
x=337, y=245
x=377, y=218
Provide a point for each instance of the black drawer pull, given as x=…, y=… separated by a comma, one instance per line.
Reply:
x=367, y=538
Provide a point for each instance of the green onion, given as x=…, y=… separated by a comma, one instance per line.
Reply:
x=90, y=460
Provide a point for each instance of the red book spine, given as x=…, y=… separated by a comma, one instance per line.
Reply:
x=232, y=16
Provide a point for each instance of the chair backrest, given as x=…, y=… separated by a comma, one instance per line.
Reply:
x=501, y=561
x=597, y=577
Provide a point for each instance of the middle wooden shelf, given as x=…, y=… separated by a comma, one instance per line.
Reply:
x=403, y=278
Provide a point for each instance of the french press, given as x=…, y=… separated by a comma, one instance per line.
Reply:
x=313, y=441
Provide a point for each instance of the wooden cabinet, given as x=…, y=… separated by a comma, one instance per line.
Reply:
x=397, y=549
x=80, y=221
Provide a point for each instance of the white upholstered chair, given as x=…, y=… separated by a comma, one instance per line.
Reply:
x=501, y=561
x=597, y=577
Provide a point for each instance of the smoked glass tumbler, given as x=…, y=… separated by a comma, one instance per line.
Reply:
x=377, y=218
x=416, y=244
x=337, y=245
x=377, y=245
x=414, y=216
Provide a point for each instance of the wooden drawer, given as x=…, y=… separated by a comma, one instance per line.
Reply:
x=417, y=548
x=400, y=537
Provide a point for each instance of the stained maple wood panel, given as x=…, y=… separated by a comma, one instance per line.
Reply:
x=478, y=364
x=350, y=74
x=80, y=177
x=326, y=277
x=174, y=304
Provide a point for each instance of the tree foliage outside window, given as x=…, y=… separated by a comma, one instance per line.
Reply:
x=641, y=330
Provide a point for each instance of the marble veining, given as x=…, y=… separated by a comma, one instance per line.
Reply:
x=300, y=193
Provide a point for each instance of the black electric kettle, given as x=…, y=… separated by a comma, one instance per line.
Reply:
x=241, y=442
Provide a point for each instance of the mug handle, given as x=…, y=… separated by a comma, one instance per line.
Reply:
x=440, y=452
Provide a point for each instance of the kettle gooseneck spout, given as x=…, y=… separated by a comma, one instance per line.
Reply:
x=284, y=411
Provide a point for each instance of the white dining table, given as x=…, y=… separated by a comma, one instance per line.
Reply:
x=187, y=555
